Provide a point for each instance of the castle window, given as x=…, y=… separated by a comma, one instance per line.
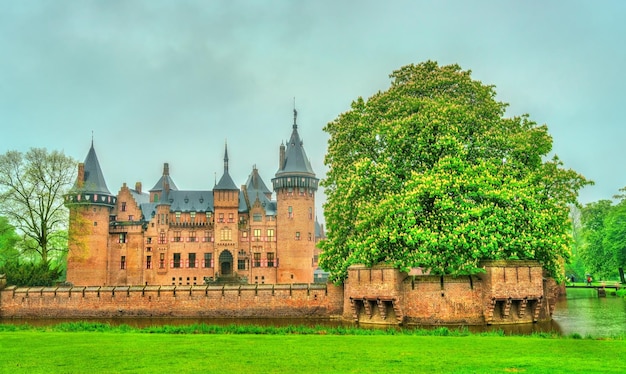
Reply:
x=192, y=236
x=310, y=213
x=149, y=240
x=257, y=217
x=176, y=260
x=131, y=217
x=176, y=236
x=231, y=217
x=162, y=239
x=290, y=212
x=297, y=235
x=123, y=207
x=207, y=236
x=95, y=223
x=301, y=191
x=208, y=259
x=177, y=217
x=226, y=234
x=192, y=260
x=244, y=234
x=162, y=261
x=220, y=218
x=257, y=260
x=310, y=237
x=148, y=262
x=270, y=259
x=122, y=238
x=270, y=234
x=193, y=217
x=208, y=217
x=241, y=264
x=257, y=234
x=123, y=262
x=148, y=249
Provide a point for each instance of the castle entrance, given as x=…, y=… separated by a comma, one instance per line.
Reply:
x=226, y=263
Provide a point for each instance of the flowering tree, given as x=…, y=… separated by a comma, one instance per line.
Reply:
x=431, y=174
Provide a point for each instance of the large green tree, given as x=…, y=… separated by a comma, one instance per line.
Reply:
x=431, y=174
x=32, y=186
x=604, y=230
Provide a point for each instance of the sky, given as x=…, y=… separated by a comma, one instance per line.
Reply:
x=174, y=81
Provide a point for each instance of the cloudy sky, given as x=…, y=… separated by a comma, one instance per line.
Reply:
x=172, y=81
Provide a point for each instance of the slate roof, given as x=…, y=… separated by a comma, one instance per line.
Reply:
x=226, y=182
x=93, y=178
x=296, y=160
x=165, y=179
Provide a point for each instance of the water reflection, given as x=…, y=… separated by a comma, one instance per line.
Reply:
x=585, y=313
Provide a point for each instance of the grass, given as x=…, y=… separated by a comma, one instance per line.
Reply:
x=95, y=347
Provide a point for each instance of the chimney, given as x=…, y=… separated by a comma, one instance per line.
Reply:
x=80, y=178
x=138, y=187
x=166, y=169
x=281, y=157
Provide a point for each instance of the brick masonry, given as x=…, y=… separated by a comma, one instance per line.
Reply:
x=506, y=293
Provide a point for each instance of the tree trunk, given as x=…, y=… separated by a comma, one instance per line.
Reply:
x=621, y=275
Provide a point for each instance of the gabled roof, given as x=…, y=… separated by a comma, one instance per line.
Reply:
x=295, y=160
x=93, y=179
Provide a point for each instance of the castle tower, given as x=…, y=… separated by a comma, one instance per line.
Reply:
x=226, y=207
x=295, y=185
x=90, y=204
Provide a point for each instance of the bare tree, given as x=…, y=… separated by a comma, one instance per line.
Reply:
x=32, y=186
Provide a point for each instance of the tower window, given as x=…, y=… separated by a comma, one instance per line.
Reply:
x=176, y=260
x=123, y=262
x=148, y=262
x=290, y=212
x=123, y=207
x=297, y=235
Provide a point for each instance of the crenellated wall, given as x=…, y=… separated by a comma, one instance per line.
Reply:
x=258, y=301
x=506, y=293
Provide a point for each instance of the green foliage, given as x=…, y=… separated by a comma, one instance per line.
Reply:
x=32, y=186
x=604, y=232
x=8, y=242
x=27, y=274
x=430, y=174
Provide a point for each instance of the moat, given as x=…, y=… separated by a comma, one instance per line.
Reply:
x=580, y=312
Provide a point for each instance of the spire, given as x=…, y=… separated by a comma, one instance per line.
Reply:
x=225, y=157
x=295, y=115
x=226, y=182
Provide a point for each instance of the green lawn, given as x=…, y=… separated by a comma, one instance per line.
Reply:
x=47, y=351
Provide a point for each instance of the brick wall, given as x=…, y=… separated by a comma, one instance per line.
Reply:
x=262, y=301
x=508, y=292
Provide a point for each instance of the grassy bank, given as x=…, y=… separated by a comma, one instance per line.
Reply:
x=89, y=347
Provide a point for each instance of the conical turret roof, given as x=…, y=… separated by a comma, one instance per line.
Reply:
x=295, y=161
x=93, y=180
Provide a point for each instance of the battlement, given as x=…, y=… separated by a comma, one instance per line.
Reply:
x=224, y=301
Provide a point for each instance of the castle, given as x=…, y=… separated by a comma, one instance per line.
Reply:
x=168, y=236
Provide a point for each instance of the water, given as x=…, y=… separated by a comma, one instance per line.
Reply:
x=582, y=312
x=585, y=313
